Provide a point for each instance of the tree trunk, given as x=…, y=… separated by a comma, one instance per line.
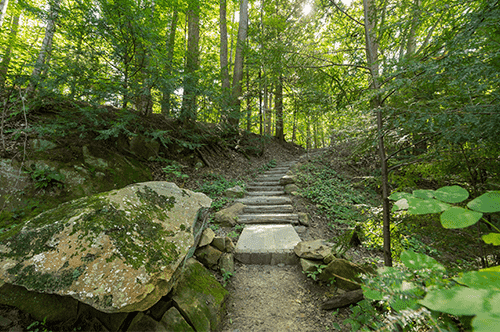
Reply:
x=188, y=110
x=3, y=10
x=278, y=103
x=4, y=65
x=238, y=65
x=166, y=103
x=370, y=19
x=46, y=45
x=225, y=83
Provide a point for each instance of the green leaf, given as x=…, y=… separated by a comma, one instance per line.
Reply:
x=491, y=269
x=416, y=261
x=451, y=194
x=485, y=322
x=487, y=203
x=457, y=300
x=401, y=204
x=457, y=217
x=423, y=193
x=426, y=206
x=492, y=238
x=480, y=279
x=372, y=294
x=398, y=195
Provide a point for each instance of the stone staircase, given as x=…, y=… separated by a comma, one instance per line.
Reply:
x=269, y=237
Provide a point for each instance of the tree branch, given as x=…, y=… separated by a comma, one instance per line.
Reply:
x=346, y=14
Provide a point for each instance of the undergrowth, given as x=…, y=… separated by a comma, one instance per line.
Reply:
x=214, y=185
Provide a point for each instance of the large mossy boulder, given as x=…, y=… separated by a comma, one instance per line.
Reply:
x=116, y=251
x=199, y=297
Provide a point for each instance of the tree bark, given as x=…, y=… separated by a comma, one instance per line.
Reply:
x=3, y=10
x=166, y=103
x=343, y=300
x=188, y=110
x=46, y=45
x=238, y=65
x=224, y=64
x=4, y=65
x=370, y=19
x=278, y=103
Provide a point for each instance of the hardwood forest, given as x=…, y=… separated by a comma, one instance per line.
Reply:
x=410, y=86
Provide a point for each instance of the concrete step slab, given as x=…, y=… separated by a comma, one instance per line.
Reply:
x=268, y=218
x=265, y=193
x=265, y=188
x=266, y=183
x=259, y=209
x=267, y=245
x=265, y=200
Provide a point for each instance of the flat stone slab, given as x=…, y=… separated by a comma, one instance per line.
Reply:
x=265, y=188
x=269, y=218
x=266, y=183
x=268, y=209
x=267, y=245
x=265, y=193
x=263, y=200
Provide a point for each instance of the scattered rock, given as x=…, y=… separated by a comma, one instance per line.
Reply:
x=200, y=297
x=304, y=218
x=98, y=163
x=331, y=256
x=309, y=265
x=291, y=188
x=229, y=217
x=172, y=320
x=142, y=322
x=224, y=244
x=209, y=256
x=50, y=307
x=226, y=263
x=116, y=251
x=234, y=192
x=344, y=269
x=287, y=179
x=316, y=249
x=207, y=237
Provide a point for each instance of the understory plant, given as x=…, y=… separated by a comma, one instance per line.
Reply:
x=421, y=293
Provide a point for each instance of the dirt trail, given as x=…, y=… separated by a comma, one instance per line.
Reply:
x=266, y=298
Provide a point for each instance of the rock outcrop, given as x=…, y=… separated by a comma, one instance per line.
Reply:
x=116, y=251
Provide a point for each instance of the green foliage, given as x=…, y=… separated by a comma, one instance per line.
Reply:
x=452, y=216
x=175, y=169
x=226, y=276
x=423, y=282
x=214, y=186
x=44, y=177
x=314, y=274
x=37, y=326
x=332, y=194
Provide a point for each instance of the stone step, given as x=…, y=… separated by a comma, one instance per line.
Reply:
x=265, y=183
x=267, y=244
x=278, y=169
x=264, y=200
x=270, y=178
x=265, y=193
x=265, y=188
x=259, y=209
x=275, y=172
x=269, y=218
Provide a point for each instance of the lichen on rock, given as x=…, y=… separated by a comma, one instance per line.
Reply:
x=116, y=251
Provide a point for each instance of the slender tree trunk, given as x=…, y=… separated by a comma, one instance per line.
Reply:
x=238, y=65
x=166, y=103
x=188, y=110
x=308, y=133
x=46, y=45
x=370, y=19
x=278, y=103
x=249, y=104
x=261, y=111
x=4, y=65
x=225, y=83
x=3, y=10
